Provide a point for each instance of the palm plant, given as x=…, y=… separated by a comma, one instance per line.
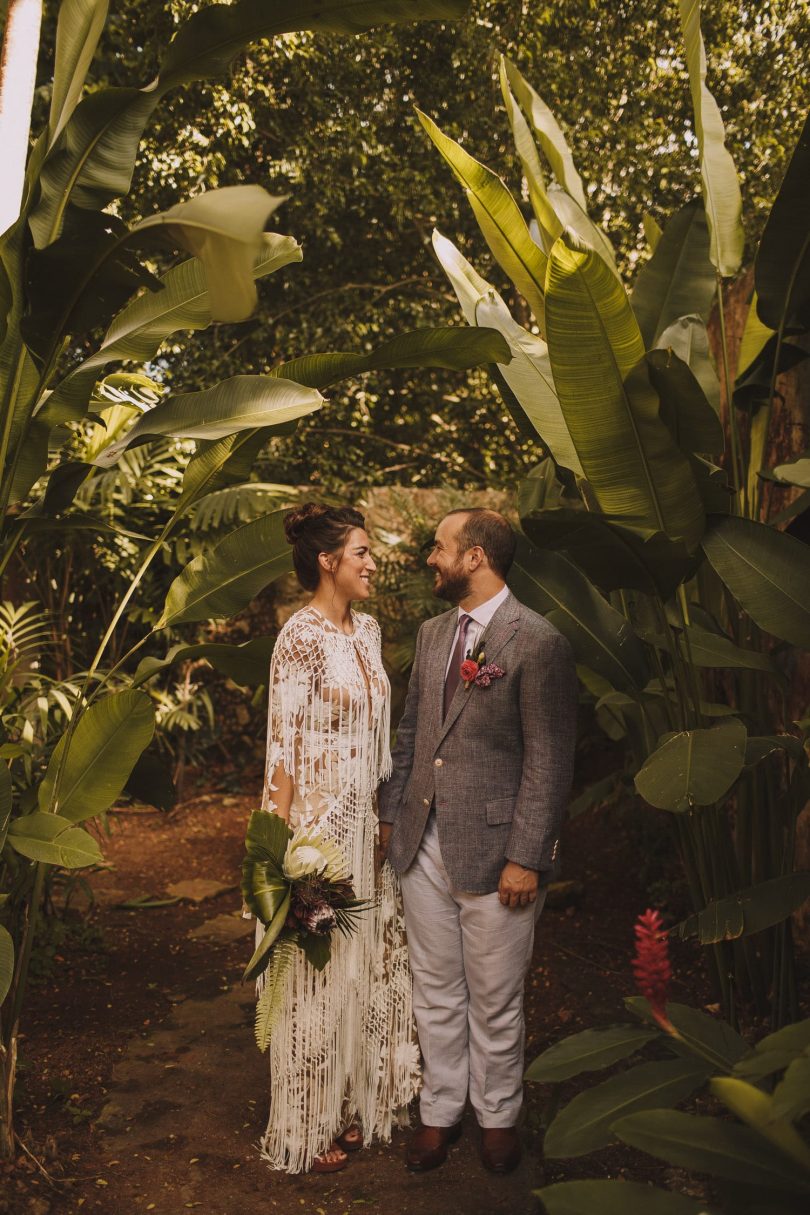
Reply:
x=660, y=564
x=69, y=270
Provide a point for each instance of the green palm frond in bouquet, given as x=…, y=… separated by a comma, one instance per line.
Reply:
x=298, y=886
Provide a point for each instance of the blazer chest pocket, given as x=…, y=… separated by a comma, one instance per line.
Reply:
x=501, y=810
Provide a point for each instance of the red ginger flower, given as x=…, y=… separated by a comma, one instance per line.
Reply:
x=651, y=965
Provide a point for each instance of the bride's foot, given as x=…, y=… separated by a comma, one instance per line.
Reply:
x=351, y=1140
x=331, y=1161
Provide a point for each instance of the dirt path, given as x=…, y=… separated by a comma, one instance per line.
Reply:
x=140, y=1064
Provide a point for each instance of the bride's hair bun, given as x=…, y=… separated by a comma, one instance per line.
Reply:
x=312, y=529
x=300, y=519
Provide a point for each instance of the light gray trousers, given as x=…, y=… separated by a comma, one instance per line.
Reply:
x=469, y=957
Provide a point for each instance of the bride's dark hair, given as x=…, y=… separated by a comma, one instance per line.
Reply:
x=312, y=529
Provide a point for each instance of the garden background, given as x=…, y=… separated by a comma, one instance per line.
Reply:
x=614, y=353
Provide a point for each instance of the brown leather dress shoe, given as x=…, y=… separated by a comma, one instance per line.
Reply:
x=428, y=1147
x=500, y=1149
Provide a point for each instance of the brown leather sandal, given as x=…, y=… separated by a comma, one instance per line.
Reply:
x=322, y=1164
x=350, y=1140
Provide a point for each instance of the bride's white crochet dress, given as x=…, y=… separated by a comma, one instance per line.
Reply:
x=344, y=1047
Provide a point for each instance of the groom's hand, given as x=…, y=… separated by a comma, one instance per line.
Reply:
x=518, y=886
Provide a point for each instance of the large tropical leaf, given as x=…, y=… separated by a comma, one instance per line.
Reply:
x=782, y=266
x=454, y=347
x=547, y=131
x=108, y=739
x=713, y=1146
x=601, y=637
x=499, y=218
x=92, y=160
x=693, y=768
x=606, y=1197
x=78, y=30
x=721, y=187
x=224, y=229
x=700, y=1033
x=685, y=410
x=776, y=1051
x=246, y=664
x=53, y=840
x=613, y=556
x=746, y=911
x=586, y=1122
x=678, y=279
x=767, y=572
x=688, y=338
x=760, y=1111
x=707, y=649
x=222, y=582
x=245, y=402
x=791, y=1097
x=571, y=216
x=588, y=1051
x=140, y=329
x=549, y=226
x=529, y=372
x=6, y=962
x=597, y=357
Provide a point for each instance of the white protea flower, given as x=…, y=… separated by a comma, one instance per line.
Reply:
x=308, y=853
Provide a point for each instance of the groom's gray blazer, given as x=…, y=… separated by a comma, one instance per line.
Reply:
x=499, y=765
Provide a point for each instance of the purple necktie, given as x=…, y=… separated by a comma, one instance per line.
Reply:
x=453, y=677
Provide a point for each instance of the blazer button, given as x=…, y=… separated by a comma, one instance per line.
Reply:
x=425, y=801
x=438, y=762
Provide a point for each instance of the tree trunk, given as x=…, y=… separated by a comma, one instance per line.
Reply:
x=18, y=69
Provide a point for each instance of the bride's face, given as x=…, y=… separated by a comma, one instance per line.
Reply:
x=355, y=567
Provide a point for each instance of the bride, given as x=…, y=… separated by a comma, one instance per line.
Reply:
x=343, y=1060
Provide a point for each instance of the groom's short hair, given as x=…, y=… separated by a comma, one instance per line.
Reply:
x=490, y=531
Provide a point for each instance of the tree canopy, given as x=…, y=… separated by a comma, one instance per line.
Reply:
x=330, y=122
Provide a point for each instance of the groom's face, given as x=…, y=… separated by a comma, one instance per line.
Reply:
x=451, y=577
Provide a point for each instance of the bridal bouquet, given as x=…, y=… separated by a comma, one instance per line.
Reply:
x=298, y=886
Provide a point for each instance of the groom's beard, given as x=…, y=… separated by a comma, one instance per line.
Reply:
x=452, y=586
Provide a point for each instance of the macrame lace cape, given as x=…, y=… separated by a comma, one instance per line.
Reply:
x=344, y=1048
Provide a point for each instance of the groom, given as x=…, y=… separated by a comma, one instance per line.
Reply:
x=470, y=818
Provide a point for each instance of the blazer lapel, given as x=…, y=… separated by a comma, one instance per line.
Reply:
x=501, y=628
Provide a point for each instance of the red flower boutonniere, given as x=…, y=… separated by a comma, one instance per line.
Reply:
x=479, y=672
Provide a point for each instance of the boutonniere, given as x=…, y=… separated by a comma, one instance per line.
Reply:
x=478, y=671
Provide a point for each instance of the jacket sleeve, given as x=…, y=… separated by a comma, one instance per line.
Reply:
x=548, y=714
x=389, y=796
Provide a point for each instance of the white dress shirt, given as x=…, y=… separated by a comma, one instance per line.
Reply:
x=481, y=617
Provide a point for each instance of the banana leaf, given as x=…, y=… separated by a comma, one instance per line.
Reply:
x=782, y=266
x=597, y=357
x=678, y=279
x=107, y=740
x=713, y=1146
x=499, y=218
x=767, y=572
x=586, y=1123
x=721, y=187
x=222, y=582
x=528, y=374
x=694, y=767
x=601, y=637
x=138, y=332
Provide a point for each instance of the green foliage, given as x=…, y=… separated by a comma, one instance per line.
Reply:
x=75, y=297
x=768, y=1155
x=654, y=563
